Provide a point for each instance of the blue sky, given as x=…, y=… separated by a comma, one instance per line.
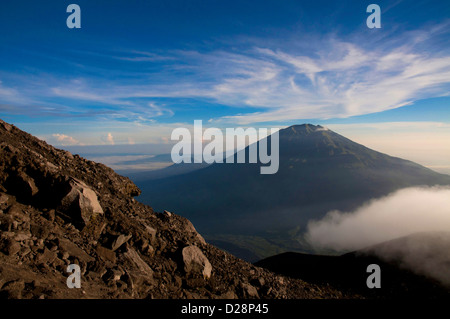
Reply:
x=137, y=69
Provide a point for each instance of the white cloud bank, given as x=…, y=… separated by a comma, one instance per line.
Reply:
x=404, y=212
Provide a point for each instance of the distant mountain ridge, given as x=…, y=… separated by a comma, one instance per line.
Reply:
x=172, y=170
x=319, y=171
x=411, y=266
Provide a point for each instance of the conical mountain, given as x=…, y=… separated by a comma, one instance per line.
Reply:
x=319, y=171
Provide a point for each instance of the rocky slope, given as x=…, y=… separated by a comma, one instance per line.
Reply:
x=58, y=209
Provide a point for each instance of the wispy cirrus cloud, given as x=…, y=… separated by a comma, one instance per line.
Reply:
x=348, y=81
x=142, y=56
x=333, y=78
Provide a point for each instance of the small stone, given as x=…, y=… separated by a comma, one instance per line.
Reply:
x=122, y=239
x=6, y=126
x=151, y=231
x=144, y=245
x=195, y=283
x=12, y=248
x=18, y=214
x=113, y=274
x=24, y=251
x=50, y=215
x=52, y=167
x=58, y=262
x=106, y=254
x=3, y=199
x=14, y=289
x=228, y=295
x=40, y=231
x=150, y=250
x=177, y=281
x=40, y=243
x=47, y=257
x=250, y=290
x=261, y=281
x=6, y=223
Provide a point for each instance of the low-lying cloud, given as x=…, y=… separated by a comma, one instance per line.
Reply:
x=404, y=212
x=65, y=140
x=110, y=139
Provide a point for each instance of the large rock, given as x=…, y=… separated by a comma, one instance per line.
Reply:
x=139, y=272
x=22, y=185
x=195, y=262
x=81, y=201
x=189, y=227
x=134, y=258
x=66, y=246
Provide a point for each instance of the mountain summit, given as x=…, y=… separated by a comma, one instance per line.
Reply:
x=319, y=171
